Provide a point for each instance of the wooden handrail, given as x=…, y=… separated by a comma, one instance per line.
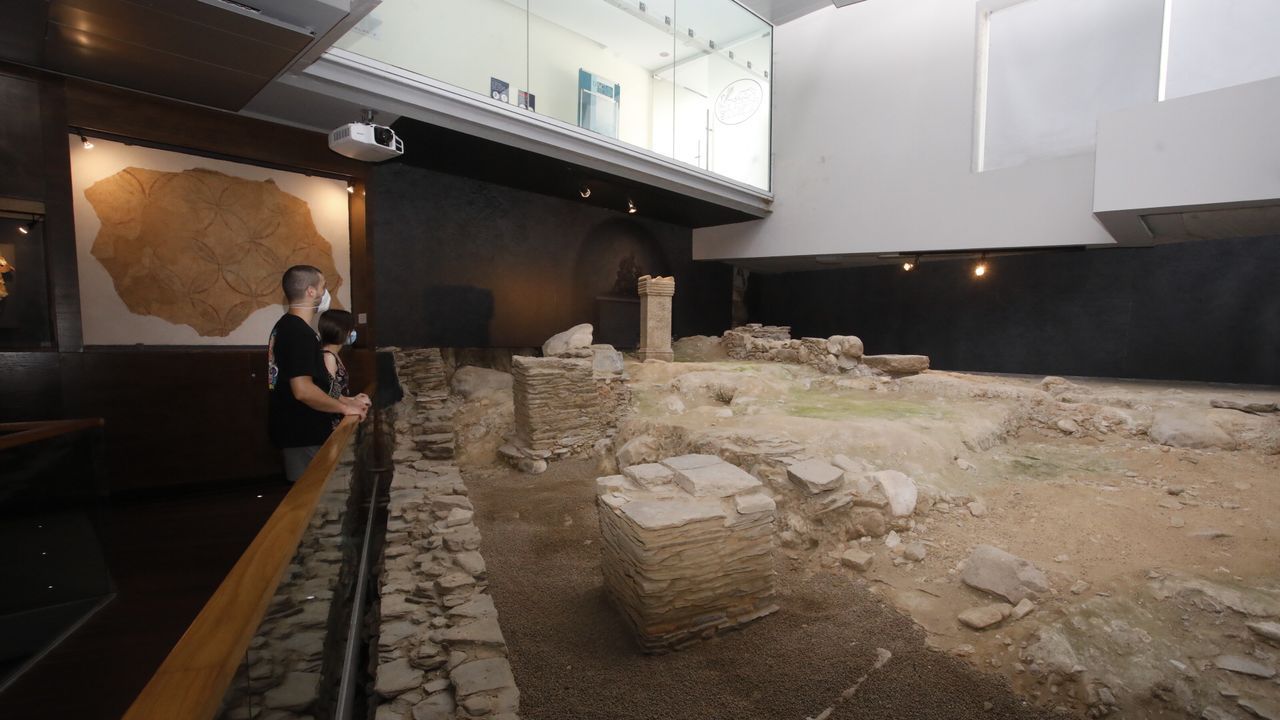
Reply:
x=24, y=433
x=192, y=680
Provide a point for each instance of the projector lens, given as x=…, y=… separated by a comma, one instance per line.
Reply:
x=382, y=136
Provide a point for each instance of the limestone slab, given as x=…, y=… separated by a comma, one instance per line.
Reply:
x=719, y=480
x=649, y=474
x=688, y=462
x=815, y=475
x=659, y=514
x=480, y=675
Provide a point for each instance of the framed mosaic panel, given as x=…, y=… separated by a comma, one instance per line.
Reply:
x=177, y=249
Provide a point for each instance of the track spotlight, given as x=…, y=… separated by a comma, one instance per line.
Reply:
x=27, y=227
x=585, y=192
x=911, y=264
x=980, y=269
x=85, y=141
x=351, y=189
x=631, y=207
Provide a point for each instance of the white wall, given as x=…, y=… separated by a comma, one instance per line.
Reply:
x=873, y=146
x=1215, y=147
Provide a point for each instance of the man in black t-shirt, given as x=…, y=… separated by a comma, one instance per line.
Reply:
x=300, y=410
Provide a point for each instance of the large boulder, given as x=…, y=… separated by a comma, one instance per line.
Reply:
x=995, y=571
x=605, y=360
x=898, y=489
x=574, y=341
x=848, y=346
x=1053, y=652
x=638, y=450
x=1188, y=429
x=471, y=382
x=897, y=364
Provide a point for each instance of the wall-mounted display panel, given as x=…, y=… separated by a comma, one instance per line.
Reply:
x=176, y=249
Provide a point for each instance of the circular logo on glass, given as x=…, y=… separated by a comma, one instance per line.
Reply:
x=739, y=101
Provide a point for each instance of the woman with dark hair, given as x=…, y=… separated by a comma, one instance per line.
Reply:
x=337, y=329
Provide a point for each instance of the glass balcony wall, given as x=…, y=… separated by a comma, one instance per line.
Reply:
x=688, y=80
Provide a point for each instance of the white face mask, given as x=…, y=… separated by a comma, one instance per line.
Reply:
x=324, y=303
x=351, y=339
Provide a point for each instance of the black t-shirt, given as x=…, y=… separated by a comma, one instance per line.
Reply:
x=294, y=351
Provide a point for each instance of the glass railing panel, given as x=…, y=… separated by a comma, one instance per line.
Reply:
x=722, y=77
x=477, y=45
x=294, y=664
x=592, y=63
x=53, y=566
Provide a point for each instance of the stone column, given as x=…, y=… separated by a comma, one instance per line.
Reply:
x=655, y=318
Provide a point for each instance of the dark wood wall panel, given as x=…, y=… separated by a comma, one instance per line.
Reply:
x=20, y=158
x=167, y=122
x=30, y=386
x=175, y=417
x=59, y=222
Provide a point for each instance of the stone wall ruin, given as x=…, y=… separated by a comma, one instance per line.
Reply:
x=835, y=355
x=565, y=403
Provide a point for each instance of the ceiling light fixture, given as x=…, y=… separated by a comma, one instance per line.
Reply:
x=631, y=207
x=980, y=269
x=28, y=226
x=85, y=141
x=585, y=192
x=911, y=264
x=351, y=188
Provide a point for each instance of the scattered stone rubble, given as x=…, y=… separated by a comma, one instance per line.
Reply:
x=838, y=354
x=440, y=650
x=687, y=549
x=565, y=404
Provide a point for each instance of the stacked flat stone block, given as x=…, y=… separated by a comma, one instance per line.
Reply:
x=422, y=377
x=687, y=549
x=564, y=405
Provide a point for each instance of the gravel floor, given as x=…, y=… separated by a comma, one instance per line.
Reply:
x=573, y=657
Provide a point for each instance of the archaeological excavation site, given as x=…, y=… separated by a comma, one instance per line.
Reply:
x=763, y=526
x=640, y=360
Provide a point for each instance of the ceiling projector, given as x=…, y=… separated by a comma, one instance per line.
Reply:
x=366, y=141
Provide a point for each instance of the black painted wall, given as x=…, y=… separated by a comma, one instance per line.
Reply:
x=467, y=263
x=1207, y=310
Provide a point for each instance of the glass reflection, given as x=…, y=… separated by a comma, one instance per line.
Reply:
x=685, y=79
